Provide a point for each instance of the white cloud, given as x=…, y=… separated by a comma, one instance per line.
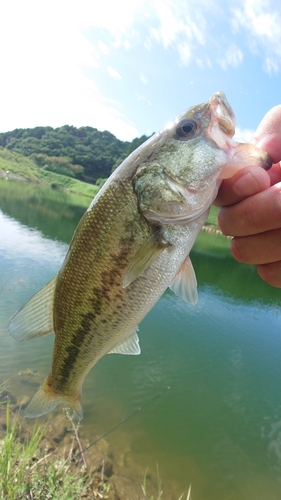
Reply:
x=113, y=73
x=143, y=79
x=232, y=57
x=271, y=65
x=262, y=23
x=243, y=134
x=45, y=57
x=257, y=15
x=104, y=48
x=141, y=97
x=116, y=17
x=180, y=26
x=185, y=53
x=48, y=61
x=169, y=25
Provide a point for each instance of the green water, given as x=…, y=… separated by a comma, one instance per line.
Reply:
x=218, y=427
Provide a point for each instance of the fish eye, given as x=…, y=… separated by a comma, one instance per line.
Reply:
x=186, y=128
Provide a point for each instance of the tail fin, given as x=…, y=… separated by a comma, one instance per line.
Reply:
x=45, y=400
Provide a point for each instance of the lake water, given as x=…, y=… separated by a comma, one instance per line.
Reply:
x=218, y=427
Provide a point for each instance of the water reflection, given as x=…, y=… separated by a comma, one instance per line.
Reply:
x=54, y=213
x=218, y=427
x=22, y=242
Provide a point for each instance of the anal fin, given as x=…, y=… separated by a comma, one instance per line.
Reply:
x=184, y=283
x=128, y=346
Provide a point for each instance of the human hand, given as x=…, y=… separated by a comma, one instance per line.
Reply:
x=251, y=202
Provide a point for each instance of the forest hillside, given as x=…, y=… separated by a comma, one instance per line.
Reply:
x=83, y=153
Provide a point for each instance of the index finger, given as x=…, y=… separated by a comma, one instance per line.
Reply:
x=245, y=183
x=253, y=215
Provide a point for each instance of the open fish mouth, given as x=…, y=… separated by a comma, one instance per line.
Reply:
x=223, y=113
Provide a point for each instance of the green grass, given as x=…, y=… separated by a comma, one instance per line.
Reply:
x=15, y=458
x=159, y=495
x=27, y=471
x=24, y=168
x=211, y=240
x=213, y=217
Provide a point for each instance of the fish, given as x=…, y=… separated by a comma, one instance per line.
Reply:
x=132, y=243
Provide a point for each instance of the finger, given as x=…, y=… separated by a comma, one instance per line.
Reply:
x=263, y=248
x=268, y=133
x=256, y=214
x=271, y=273
x=244, y=183
x=275, y=173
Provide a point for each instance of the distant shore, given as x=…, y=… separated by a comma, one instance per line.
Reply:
x=15, y=177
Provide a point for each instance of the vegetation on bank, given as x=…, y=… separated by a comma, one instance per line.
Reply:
x=31, y=468
x=83, y=153
x=27, y=471
x=15, y=165
x=65, y=156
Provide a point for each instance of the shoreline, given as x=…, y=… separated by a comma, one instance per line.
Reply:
x=14, y=177
x=109, y=475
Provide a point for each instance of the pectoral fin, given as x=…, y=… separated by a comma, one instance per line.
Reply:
x=35, y=319
x=184, y=284
x=129, y=346
x=144, y=257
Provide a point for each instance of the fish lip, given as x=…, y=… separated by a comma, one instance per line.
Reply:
x=172, y=219
x=255, y=155
x=268, y=162
x=180, y=187
x=223, y=113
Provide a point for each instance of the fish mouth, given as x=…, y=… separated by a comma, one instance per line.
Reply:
x=223, y=113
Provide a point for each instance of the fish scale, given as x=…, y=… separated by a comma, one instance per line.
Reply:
x=132, y=243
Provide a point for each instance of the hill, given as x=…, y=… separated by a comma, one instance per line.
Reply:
x=83, y=153
x=16, y=166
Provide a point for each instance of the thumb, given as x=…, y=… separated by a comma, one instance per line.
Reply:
x=268, y=134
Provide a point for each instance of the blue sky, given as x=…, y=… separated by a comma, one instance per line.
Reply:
x=132, y=66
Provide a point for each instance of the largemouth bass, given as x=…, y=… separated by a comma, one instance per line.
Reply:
x=132, y=243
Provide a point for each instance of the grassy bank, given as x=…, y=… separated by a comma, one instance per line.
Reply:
x=23, y=168
x=28, y=470
x=47, y=462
